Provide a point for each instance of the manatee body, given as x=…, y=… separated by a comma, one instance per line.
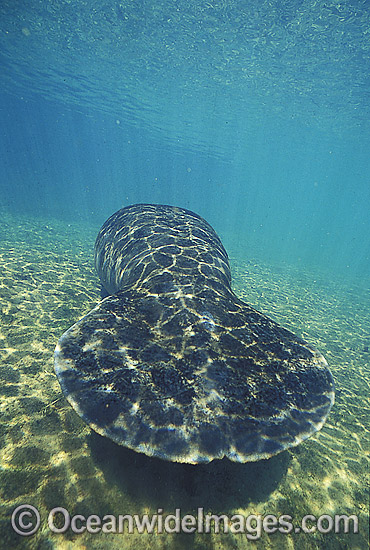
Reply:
x=172, y=363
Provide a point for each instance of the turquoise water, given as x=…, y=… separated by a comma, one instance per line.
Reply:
x=254, y=115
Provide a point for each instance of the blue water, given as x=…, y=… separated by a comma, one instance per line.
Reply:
x=256, y=115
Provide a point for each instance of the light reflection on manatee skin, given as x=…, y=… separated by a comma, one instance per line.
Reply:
x=208, y=321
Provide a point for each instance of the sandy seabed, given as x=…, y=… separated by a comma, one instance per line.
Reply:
x=50, y=458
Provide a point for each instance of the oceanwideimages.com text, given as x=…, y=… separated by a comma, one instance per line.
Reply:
x=26, y=521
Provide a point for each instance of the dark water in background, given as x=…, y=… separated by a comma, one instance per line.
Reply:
x=254, y=114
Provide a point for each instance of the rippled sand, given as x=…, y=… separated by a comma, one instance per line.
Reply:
x=50, y=458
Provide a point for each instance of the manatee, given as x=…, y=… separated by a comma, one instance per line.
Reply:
x=172, y=363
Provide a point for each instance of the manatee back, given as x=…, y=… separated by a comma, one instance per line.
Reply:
x=160, y=248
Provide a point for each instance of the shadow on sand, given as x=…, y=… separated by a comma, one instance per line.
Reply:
x=220, y=486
